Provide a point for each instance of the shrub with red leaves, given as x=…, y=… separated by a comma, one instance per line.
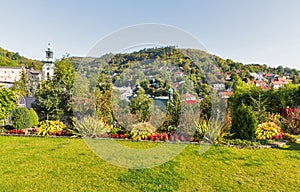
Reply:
x=278, y=136
x=15, y=131
x=292, y=120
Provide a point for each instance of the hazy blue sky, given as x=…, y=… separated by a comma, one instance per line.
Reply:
x=250, y=31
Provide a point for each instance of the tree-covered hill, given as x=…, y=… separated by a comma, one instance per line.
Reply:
x=188, y=59
x=11, y=59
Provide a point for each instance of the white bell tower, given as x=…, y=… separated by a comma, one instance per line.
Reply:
x=48, y=67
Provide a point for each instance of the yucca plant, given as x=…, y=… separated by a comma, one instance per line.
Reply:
x=201, y=128
x=217, y=130
x=90, y=126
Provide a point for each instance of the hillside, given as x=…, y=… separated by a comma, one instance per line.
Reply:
x=199, y=66
x=186, y=58
x=11, y=59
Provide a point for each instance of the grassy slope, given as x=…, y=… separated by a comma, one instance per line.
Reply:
x=53, y=164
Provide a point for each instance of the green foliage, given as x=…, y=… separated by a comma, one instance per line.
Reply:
x=201, y=128
x=141, y=106
x=91, y=127
x=7, y=103
x=34, y=118
x=265, y=101
x=244, y=122
x=141, y=131
x=12, y=59
x=173, y=109
x=267, y=130
x=103, y=97
x=21, y=118
x=240, y=142
x=21, y=85
x=50, y=127
x=217, y=130
x=54, y=98
x=49, y=101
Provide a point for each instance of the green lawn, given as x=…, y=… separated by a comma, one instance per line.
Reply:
x=57, y=164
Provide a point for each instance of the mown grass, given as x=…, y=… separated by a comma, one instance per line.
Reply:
x=57, y=164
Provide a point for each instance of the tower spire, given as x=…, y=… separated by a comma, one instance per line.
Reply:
x=48, y=67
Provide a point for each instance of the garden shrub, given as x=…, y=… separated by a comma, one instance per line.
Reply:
x=92, y=127
x=291, y=122
x=141, y=106
x=51, y=127
x=141, y=131
x=217, y=130
x=244, y=122
x=34, y=118
x=267, y=130
x=201, y=128
x=21, y=118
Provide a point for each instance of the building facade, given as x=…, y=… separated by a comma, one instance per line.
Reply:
x=8, y=75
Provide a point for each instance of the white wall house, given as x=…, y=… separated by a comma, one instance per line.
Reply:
x=8, y=75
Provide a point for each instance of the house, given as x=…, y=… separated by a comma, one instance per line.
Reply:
x=225, y=94
x=228, y=77
x=219, y=86
x=278, y=82
x=178, y=74
x=258, y=83
x=8, y=75
x=189, y=98
x=269, y=76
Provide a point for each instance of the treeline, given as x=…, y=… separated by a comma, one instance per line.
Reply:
x=11, y=59
x=266, y=101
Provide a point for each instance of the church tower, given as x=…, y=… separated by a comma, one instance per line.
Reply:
x=48, y=67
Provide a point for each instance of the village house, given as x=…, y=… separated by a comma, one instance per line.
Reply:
x=225, y=94
x=8, y=75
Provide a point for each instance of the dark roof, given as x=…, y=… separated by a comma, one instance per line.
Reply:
x=29, y=101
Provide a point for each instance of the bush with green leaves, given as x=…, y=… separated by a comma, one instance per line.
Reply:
x=141, y=131
x=244, y=122
x=50, y=127
x=34, y=118
x=21, y=118
x=141, y=106
x=267, y=130
x=7, y=104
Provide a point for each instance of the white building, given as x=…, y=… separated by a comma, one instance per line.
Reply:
x=219, y=86
x=48, y=67
x=8, y=75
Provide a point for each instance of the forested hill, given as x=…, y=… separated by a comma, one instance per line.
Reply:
x=11, y=59
x=185, y=58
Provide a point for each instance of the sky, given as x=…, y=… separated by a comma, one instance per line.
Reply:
x=248, y=31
